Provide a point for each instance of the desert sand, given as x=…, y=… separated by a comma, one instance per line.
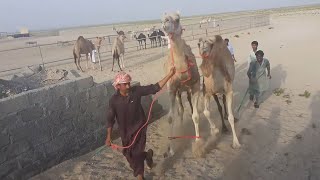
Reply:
x=279, y=140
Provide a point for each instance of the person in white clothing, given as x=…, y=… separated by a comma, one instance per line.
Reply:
x=252, y=55
x=230, y=48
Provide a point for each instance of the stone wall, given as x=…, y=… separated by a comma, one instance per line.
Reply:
x=43, y=127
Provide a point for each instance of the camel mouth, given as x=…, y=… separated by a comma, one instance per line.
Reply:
x=204, y=55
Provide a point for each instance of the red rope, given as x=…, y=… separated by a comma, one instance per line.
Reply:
x=184, y=137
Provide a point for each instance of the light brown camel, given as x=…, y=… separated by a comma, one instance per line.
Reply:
x=218, y=73
x=187, y=77
x=118, y=50
x=97, y=45
x=82, y=46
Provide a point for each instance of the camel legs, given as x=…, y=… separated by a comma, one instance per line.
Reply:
x=189, y=100
x=99, y=57
x=180, y=107
x=206, y=112
x=224, y=127
x=112, y=64
x=87, y=60
x=225, y=108
x=91, y=55
x=75, y=61
x=79, y=59
x=118, y=59
x=121, y=61
x=229, y=98
x=172, y=96
x=195, y=114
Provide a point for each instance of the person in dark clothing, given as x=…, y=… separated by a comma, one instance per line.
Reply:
x=125, y=106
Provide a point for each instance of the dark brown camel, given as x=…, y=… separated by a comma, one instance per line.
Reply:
x=82, y=46
x=141, y=38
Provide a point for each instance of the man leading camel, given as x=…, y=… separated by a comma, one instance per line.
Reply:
x=125, y=106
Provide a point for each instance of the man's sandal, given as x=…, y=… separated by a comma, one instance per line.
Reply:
x=149, y=159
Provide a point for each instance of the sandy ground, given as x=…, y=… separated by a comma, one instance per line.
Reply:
x=278, y=140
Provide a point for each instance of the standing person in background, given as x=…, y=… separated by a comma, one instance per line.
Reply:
x=230, y=48
x=252, y=55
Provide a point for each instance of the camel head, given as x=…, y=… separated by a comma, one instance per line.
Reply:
x=100, y=39
x=122, y=37
x=210, y=46
x=171, y=24
x=120, y=32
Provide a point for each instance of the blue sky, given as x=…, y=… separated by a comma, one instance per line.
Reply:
x=47, y=14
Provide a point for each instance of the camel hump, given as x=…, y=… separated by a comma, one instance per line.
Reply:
x=218, y=38
x=80, y=38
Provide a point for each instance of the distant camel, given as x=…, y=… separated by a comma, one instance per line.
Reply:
x=97, y=45
x=141, y=38
x=153, y=39
x=82, y=46
x=118, y=50
x=160, y=38
x=118, y=32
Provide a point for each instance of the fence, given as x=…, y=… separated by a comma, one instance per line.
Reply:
x=16, y=59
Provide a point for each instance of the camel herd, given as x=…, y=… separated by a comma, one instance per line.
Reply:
x=88, y=48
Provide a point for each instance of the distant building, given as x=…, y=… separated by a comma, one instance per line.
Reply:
x=24, y=32
x=3, y=34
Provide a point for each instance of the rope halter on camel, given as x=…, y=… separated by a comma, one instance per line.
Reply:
x=189, y=62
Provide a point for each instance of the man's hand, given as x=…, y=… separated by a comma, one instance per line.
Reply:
x=108, y=141
x=269, y=76
x=166, y=79
x=172, y=71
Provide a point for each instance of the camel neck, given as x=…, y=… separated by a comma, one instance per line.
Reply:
x=178, y=53
x=177, y=45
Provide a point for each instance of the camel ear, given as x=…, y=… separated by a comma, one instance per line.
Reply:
x=200, y=39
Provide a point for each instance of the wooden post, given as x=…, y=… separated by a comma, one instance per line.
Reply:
x=41, y=56
x=192, y=33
